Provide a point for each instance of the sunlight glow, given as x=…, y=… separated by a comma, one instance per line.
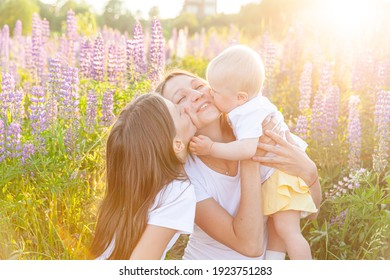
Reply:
x=347, y=17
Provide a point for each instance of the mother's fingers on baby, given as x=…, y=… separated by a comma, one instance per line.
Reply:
x=266, y=161
x=266, y=140
x=277, y=138
x=270, y=148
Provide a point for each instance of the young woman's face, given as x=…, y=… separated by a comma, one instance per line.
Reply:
x=193, y=95
x=185, y=129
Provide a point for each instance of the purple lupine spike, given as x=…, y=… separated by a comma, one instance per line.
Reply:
x=156, y=53
x=347, y=184
x=354, y=133
x=301, y=128
x=71, y=26
x=71, y=35
x=91, y=112
x=18, y=29
x=130, y=62
x=38, y=112
x=317, y=125
x=112, y=64
x=121, y=63
x=85, y=58
x=45, y=26
x=71, y=135
x=64, y=50
x=382, y=121
x=13, y=140
x=2, y=141
x=305, y=87
x=107, y=108
x=27, y=152
x=139, y=51
x=8, y=87
x=17, y=108
x=97, y=66
x=53, y=90
x=37, y=43
x=19, y=47
x=270, y=60
x=69, y=99
x=332, y=105
x=4, y=50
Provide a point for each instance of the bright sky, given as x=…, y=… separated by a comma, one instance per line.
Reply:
x=168, y=8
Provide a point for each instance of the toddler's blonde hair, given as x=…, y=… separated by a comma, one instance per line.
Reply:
x=239, y=66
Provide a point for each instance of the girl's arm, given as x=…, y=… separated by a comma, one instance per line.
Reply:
x=243, y=233
x=153, y=243
x=236, y=150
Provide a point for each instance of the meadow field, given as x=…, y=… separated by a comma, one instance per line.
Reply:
x=61, y=92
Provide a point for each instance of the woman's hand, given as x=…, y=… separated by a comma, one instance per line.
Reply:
x=289, y=157
x=270, y=123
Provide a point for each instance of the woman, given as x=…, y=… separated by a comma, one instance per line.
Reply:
x=148, y=199
x=229, y=221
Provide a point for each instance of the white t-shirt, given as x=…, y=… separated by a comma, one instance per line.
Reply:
x=174, y=208
x=226, y=191
x=246, y=121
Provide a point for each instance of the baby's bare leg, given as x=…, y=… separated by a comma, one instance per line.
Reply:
x=287, y=226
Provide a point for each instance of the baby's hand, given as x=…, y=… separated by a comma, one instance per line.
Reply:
x=201, y=145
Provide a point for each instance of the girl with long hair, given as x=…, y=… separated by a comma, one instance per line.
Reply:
x=148, y=199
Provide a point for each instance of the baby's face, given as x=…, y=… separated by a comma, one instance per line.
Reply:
x=224, y=97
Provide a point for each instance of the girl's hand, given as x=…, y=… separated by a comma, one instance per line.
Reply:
x=201, y=145
x=289, y=157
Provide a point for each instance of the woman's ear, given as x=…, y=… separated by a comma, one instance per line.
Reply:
x=178, y=145
x=242, y=97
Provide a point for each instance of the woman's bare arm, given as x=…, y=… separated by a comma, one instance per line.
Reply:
x=243, y=233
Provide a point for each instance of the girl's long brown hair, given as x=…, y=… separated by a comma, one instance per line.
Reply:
x=140, y=160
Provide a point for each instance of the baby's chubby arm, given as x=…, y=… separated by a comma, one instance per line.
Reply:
x=236, y=150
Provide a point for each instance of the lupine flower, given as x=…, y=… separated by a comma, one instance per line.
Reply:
x=18, y=45
x=4, y=51
x=38, y=115
x=8, y=87
x=91, y=111
x=45, y=31
x=71, y=135
x=69, y=99
x=130, y=62
x=18, y=29
x=156, y=53
x=139, y=51
x=270, y=60
x=17, y=107
x=71, y=35
x=2, y=141
x=301, y=128
x=85, y=58
x=354, y=133
x=112, y=64
x=53, y=90
x=71, y=26
x=339, y=220
x=182, y=39
x=317, y=125
x=107, y=108
x=28, y=151
x=305, y=87
x=97, y=67
x=13, y=137
x=36, y=38
x=347, y=184
x=382, y=121
x=331, y=111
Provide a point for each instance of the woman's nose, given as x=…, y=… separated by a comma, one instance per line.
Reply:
x=196, y=95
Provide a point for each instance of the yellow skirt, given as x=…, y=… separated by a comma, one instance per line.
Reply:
x=285, y=192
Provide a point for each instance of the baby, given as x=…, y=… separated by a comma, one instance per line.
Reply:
x=236, y=77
